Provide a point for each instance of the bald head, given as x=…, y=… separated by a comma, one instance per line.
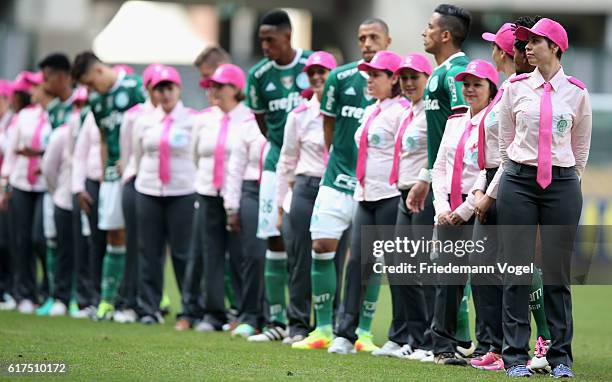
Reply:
x=373, y=37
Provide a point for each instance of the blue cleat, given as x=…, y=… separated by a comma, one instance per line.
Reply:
x=562, y=371
x=518, y=371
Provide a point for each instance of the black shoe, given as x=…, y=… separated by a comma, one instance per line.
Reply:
x=449, y=359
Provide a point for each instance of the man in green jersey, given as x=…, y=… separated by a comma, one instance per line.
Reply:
x=57, y=83
x=343, y=103
x=445, y=32
x=273, y=89
x=112, y=94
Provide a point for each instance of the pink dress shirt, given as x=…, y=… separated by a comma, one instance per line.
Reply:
x=126, y=137
x=303, y=146
x=15, y=167
x=442, y=171
x=413, y=156
x=519, y=121
x=87, y=160
x=245, y=163
x=147, y=134
x=55, y=166
x=204, y=142
x=381, y=148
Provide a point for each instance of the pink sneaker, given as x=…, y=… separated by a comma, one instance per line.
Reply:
x=495, y=366
x=539, y=363
x=485, y=360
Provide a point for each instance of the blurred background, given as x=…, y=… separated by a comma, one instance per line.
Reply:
x=174, y=32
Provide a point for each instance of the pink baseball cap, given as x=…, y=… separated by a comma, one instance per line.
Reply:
x=25, y=80
x=6, y=89
x=481, y=69
x=416, y=61
x=383, y=60
x=546, y=28
x=504, y=38
x=123, y=68
x=226, y=74
x=166, y=74
x=80, y=94
x=321, y=58
x=149, y=71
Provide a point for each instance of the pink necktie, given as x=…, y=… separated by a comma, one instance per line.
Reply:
x=544, y=176
x=219, y=168
x=398, y=149
x=362, y=153
x=35, y=144
x=164, y=151
x=481, y=130
x=455, y=195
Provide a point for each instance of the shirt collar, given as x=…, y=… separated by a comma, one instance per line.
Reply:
x=478, y=117
x=176, y=113
x=452, y=57
x=536, y=79
x=387, y=103
x=296, y=59
x=120, y=77
x=237, y=111
x=418, y=107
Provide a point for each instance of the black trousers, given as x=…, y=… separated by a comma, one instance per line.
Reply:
x=7, y=266
x=487, y=288
x=65, y=261
x=254, y=257
x=216, y=241
x=97, y=239
x=380, y=212
x=410, y=310
x=521, y=201
x=449, y=291
x=128, y=290
x=192, y=298
x=161, y=221
x=26, y=210
x=299, y=253
x=85, y=288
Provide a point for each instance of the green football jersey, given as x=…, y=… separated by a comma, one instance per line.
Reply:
x=442, y=96
x=59, y=111
x=275, y=90
x=108, y=112
x=344, y=98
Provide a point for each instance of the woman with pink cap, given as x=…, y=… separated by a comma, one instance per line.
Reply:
x=24, y=186
x=378, y=199
x=165, y=190
x=544, y=137
x=126, y=305
x=406, y=336
x=214, y=137
x=300, y=168
x=453, y=175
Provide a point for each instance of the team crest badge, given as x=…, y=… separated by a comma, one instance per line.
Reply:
x=302, y=81
x=122, y=100
x=287, y=82
x=562, y=126
x=433, y=84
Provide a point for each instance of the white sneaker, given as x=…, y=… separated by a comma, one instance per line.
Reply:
x=87, y=312
x=387, y=350
x=271, y=333
x=404, y=352
x=341, y=345
x=9, y=302
x=125, y=316
x=290, y=340
x=26, y=307
x=58, y=309
x=462, y=352
x=204, y=327
x=418, y=354
x=429, y=358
